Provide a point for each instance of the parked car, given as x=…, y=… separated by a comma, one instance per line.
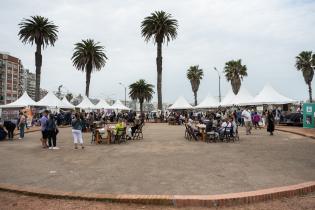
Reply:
x=295, y=119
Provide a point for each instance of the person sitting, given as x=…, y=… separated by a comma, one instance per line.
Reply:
x=194, y=131
x=136, y=125
x=10, y=127
x=3, y=133
x=225, y=124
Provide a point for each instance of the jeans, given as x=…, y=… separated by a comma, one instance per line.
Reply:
x=10, y=134
x=22, y=130
x=52, y=138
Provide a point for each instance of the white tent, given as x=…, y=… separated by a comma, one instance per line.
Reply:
x=50, y=100
x=242, y=98
x=86, y=104
x=23, y=101
x=228, y=97
x=118, y=105
x=268, y=95
x=180, y=103
x=208, y=102
x=67, y=105
x=102, y=104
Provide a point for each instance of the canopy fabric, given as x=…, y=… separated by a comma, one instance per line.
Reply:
x=208, y=102
x=228, y=97
x=86, y=104
x=268, y=95
x=23, y=101
x=181, y=103
x=102, y=104
x=118, y=105
x=50, y=100
x=67, y=105
x=242, y=98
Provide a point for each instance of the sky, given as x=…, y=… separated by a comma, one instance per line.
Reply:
x=266, y=35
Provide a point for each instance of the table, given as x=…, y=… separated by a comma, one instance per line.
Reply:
x=202, y=130
x=99, y=131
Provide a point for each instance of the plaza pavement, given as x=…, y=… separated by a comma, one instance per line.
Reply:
x=163, y=163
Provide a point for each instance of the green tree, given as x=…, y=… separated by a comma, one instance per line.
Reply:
x=160, y=27
x=194, y=74
x=88, y=56
x=42, y=32
x=234, y=73
x=141, y=91
x=305, y=62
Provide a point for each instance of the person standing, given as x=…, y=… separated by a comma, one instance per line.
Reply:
x=270, y=122
x=21, y=125
x=246, y=115
x=52, y=129
x=77, y=131
x=43, y=123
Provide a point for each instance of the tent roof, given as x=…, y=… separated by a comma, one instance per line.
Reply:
x=208, y=102
x=51, y=100
x=102, y=104
x=180, y=103
x=243, y=97
x=86, y=104
x=268, y=95
x=119, y=105
x=23, y=101
x=228, y=97
x=67, y=105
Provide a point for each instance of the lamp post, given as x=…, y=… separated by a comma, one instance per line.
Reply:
x=125, y=91
x=215, y=69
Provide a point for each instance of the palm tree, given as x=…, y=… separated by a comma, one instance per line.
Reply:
x=235, y=72
x=194, y=74
x=88, y=56
x=43, y=32
x=140, y=90
x=161, y=28
x=305, y=62
x=69, y=96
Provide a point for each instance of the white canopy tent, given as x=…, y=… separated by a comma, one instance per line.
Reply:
x=181, y=103
x=268, y=95
x=208, y=102
x=228, y=97
x=50, y=100
x=102, y=104
x=86, y=104
x=23, y=101
x=67, y=105
x=118, y=105
x=242, y=98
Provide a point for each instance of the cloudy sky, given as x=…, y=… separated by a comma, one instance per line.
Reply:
x=266, y=35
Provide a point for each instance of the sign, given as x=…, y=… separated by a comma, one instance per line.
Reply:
x=308, y=115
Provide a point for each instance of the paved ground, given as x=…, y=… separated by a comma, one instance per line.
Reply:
x=307, y=132
x=163, y=163
x=11, y=201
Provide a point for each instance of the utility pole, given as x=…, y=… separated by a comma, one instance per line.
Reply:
x=219, y=83
x=125, y=91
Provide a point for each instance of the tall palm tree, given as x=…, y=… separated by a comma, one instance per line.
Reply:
x=43, y=32
x=234, y=73
x=88, y=56
x=305, y=62
x=161, y=27
x=194, y=74
x=141, y=91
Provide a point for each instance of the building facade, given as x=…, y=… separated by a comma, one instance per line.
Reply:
x=10, y=78
x=28, y=81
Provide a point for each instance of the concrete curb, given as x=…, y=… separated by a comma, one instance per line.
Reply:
x=230, y=199
x=295, y=132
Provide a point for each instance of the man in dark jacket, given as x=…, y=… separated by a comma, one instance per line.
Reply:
x=10, y=127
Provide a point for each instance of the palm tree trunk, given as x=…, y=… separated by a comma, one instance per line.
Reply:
x=310, y=91
x=195, y=95
x=159, y=74
x=38, y=64
x=87, y=83
x=141, y=107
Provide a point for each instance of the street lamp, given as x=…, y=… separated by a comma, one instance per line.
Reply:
x=125, y=91
x=215, y=69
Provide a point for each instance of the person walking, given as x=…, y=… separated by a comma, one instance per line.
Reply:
x=21, y=124
x=77, y=131
x=270, y=122
x=43, y=123
x=52, y=131
x=246, y=115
